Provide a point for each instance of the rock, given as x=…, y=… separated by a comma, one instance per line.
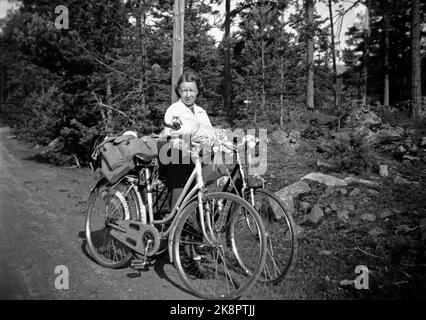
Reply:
x=366, y=200
x=327, y=165
x=401, y=181
x=385, y=214
x=373, y=192
x=368, y=217
x=288, y=193
x=299, y=231
x=55, y=143
x=325, y=253
x=383, y=170
x=376, y=232
x=333, y=207
x=349, y=206
x=315, y=215
x=353, y=180
x=354, y=192
x=304, y=206
x=343, y=191
x=272, y=176
x=325, y=179
x=343, y=214
x=279, y=137
x=327, y=210
x=423, y=143
x=328, y=192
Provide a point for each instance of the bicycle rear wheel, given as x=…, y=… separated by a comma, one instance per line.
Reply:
x=228, y=266
x=107, y=204
x=280, y=232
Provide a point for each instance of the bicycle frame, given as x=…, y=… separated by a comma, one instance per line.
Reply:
x=184, y=199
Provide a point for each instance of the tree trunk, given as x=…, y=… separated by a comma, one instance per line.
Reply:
x=282, y=74
x=109, y=111
x=333, y=55
x=227, y=61
x=142, y=45
x=178, y=37
x=416, y=90
x=386, y=26
x=309, y=4
x=366, y=53
x=263, y=76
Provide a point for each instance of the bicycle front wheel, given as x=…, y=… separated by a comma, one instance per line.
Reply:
x=226, y=260
x=280, y=232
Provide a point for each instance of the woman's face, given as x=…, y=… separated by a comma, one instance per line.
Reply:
x=188, y=92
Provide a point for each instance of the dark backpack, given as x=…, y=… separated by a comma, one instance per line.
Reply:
x=117, y=154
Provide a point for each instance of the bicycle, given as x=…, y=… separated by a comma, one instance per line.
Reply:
x=217, y=241
x=279, y=224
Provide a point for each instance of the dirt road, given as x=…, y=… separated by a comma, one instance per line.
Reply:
x=42, y=212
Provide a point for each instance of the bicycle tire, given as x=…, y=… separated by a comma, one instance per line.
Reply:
x=198, y=262
x=282, y=245
x=106, y=203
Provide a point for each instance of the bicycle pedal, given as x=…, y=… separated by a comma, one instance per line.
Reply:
x=141, y=266
x=197, y=257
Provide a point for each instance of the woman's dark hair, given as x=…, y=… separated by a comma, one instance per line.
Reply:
x=189, y=76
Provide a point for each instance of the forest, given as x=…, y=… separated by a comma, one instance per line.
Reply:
x=109, y=69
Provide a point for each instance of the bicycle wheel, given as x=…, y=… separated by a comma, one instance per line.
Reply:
x=280, y=231
x=214, y=270
x=107, y=205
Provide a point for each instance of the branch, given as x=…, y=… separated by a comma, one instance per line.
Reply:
x=103, y=63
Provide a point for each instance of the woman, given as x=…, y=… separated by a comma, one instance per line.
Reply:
x=186, y=119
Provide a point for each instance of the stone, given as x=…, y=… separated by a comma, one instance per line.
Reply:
x=328, y=192
x=368, y=217
x=343, y=214
x=304, y=206
x=383, y=170
x=353, y=180
x=325, y=253
x=279, y=137
x=325, y=179
x=401, y=181
x=385, y=214
x=349, y=206
x=423, y=143
x=366, y=200
x=299, y=231
x=333, y=207
x=343, y=191
x=288, y=193
x=373, y=192
x=327, y=210
x=376, y=232
x=316, y=214
x=354, y=192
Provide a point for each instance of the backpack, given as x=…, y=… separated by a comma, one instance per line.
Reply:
x=117, y=154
